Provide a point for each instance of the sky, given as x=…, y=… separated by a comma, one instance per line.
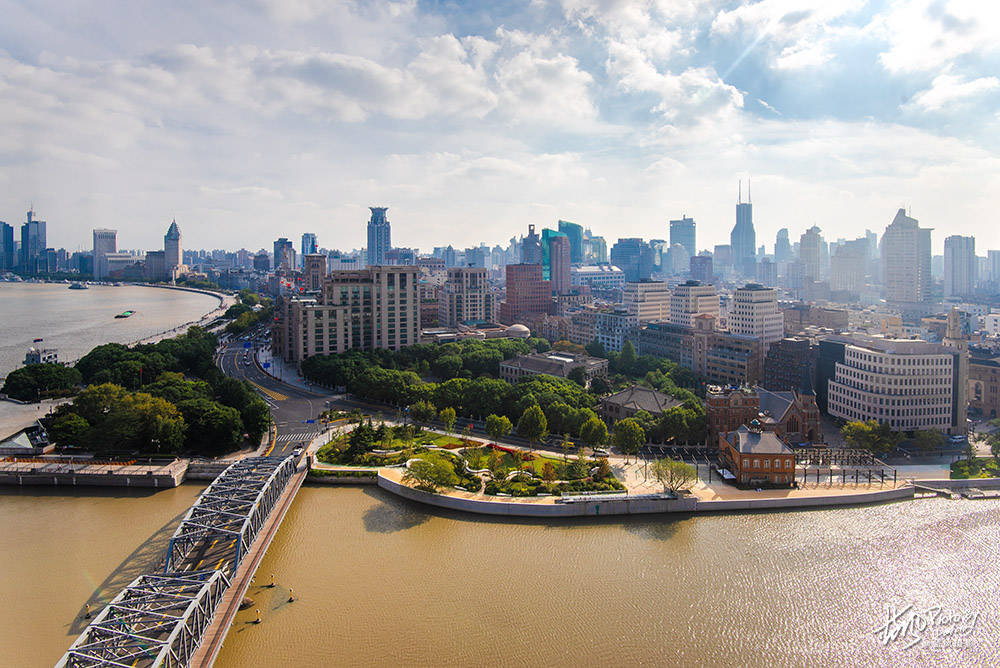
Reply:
x=249, y=120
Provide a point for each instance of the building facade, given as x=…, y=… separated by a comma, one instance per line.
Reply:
x=528, y=294
x=906, y=261
x=682, y=232
x=754, y=312
x=691, y=299
x=911, y=385
x=379, y=236
x=465, y=297
x=648, y=301
x=961, y=267
x=105, y=242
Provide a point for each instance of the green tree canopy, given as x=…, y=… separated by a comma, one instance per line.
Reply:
x=628, y=436
x=533, y=425
x=39, y=381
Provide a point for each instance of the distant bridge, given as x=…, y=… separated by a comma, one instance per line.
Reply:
x=160, y=619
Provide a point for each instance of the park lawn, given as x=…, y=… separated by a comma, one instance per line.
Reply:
x=980, y=467
x=479, y=457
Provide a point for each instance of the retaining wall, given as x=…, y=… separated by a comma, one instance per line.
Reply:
x=962, y=483
x=596, y=508
x=808, y=501
x=92, y=479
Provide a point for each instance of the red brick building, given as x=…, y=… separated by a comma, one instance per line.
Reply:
x=792, y=415
x=528, y=294
x=757, y=457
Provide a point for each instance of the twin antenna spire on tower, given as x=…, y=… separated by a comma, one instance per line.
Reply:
x=740, y=197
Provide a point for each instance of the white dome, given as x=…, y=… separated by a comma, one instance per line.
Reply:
x=518, y=331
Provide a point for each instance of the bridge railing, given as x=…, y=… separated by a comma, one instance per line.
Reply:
x=157, y=620
x=232, y=509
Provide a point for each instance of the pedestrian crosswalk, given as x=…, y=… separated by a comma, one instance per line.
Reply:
x=298, y=436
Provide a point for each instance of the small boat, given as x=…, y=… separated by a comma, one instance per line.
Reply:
x=78, y=286
x=125, y=314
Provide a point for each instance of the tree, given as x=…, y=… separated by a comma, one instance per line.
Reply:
x=578, y=375
x=533, y=425
x=497, y=426
x=548, y=472
x=878, y=438
x=447, y=416
x=596, y=349
x=210, y=426
x=628, y=437
x=431, y=473
x=37, y=381
x=495, y=465
x=69, y=429
x=594, y=431
x=969, y=451
x=928, y=440
x=599, y=386
x=994, y=442
x=626, y=360
x=422, y=412
x=517, y=459
x=674, y=475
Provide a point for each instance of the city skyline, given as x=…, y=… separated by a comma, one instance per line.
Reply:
x=618, y=119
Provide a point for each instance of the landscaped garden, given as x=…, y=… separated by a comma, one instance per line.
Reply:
x=438, y=461
x=979, y=467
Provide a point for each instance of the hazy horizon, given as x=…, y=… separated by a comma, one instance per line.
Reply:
x=470, y=122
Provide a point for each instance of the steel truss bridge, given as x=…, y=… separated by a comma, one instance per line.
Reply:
x=159, y=619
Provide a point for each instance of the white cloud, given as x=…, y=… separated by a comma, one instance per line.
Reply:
x=949, y=89
x=925, y=35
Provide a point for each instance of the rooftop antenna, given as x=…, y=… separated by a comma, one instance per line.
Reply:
x=739, y=199
x=748, y=190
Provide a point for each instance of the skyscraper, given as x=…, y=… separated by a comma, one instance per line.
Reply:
x=33, y=243
x=559, y=263
x=813, y=253
x=993, y=264
x=961, y=267
x=547, y=237
x=755, y=312
x=6, y=247
x=575, y=234
x=284, y=254
x=634, y=257
x=782, y=247
x=743, y=239
x=683, y=232
x=309, y=246
x=105, y=241
x=379, y=240
x=906, y=260
x=701, y=269
x=531, y=248
x=173, y=254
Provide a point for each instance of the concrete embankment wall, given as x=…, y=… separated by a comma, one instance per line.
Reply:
x=155, y=480
x=205, y=470
x=807, y=501
x=342, y=480
x=596, y=508
x=963, y=483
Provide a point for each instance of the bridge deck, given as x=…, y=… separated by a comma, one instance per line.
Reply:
x=215, y=633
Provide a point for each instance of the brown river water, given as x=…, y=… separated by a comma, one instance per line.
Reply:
x=382, y=581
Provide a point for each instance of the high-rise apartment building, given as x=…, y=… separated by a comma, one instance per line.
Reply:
x=682, y=232
x=314, y=269
x=575, y=234
x=906, y=260
x=559, y=264
x=701, y=268
x=371, y=308
x=528, y=294
x=961, y=267
x=993, y=267
x=595, y=250
x=105, y=242
x=648, y=301
x=692, y=299
x=173, y=254
x=849, y=266
x=284, y=255
x=7, y=257
x=465, y=297
x=754, y=312
x=379, y=237
x=743, y=238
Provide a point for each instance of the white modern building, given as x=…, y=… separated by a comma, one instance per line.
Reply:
x=961, y=267
x=598, y=276
x=754, y=312
x=910, y=385
x=692, y=299
x=648, y=301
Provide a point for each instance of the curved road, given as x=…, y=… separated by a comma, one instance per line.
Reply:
x=291, y=406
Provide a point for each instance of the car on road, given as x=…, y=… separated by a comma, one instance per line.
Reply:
x=297, y=451
x=601, y=452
